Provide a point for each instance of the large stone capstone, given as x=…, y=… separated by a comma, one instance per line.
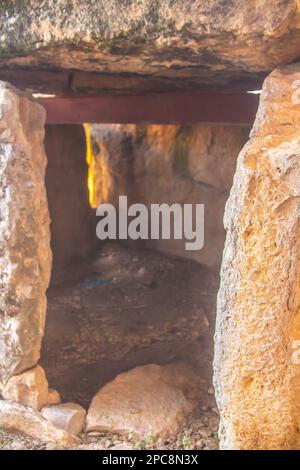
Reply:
x=257, y=343
x=148, y=45
x=25, y=256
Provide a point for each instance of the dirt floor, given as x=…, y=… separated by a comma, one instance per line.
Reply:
x=123, y=309
x=200, y=432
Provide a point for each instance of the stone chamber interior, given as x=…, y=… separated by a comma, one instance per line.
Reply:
x=113, y=306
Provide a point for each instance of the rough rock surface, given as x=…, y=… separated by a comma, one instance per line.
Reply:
x=172, y=42
x=29, y=388
x=15, y=417
x=170, y=164
x=73, y=222
x=25, y=255
x=148, y=401
x=257, y=375
x=67, y=416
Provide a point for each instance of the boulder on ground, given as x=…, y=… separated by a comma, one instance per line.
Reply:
x=146, y=401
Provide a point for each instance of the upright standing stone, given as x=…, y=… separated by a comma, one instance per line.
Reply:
x=25, y=256
x=257, y=366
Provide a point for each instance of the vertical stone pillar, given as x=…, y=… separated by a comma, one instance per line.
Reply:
x=257, y=340
x=25, y=256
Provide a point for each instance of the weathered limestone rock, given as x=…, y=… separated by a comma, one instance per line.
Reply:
x=53, y=397
x=170, y=164
x=29, y=388
x=147, y=401
x=25, y=256
x=257, y=371
x=15, y=417
x=67, y=416
x=176, y=44
x=73, y=222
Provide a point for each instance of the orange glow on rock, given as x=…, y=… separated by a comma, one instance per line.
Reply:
x=99, y=178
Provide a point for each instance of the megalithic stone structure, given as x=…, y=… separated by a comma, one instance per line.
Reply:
x=25, y=256
x=257, y=340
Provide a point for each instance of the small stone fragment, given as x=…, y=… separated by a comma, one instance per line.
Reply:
x=15, y=417
x=67, y=416
x=29, y=388
x=53, y=397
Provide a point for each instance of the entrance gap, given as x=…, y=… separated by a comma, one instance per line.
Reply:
x=117, y=305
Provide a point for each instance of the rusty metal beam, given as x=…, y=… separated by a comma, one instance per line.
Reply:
x=234, y=109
